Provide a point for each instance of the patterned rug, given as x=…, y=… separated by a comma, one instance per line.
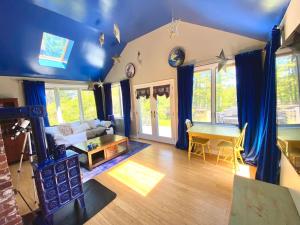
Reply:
x=134, y=147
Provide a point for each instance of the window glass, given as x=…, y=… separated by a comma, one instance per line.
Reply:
x=55, y=51
x=145, y=115
x=164, y=116
x=116, y=101
x=287, y=78
x=88, y=105
x=69, y=105
x=202, y=96
x=51, y=107
x=226, y=103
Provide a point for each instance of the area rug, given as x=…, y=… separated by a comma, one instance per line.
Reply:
x=134, y=147
x=96, y=197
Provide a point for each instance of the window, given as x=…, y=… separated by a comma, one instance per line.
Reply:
x=202, y=96
x=88, y=105
x=214, y=95
x=226, y=104
x=55, y=51
x=287, y=78
x=70, y=105
x=51, y=107
x=117, y=100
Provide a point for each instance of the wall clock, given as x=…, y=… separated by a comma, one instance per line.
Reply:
x=176, y=57
x=130, y=70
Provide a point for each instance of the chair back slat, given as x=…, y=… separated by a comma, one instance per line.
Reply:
x=188, y=123
x=283, y=145
x=241, y=139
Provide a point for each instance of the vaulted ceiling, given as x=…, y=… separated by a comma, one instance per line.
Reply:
x=22, y=23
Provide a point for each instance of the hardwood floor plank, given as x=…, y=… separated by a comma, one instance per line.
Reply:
x=190, y=192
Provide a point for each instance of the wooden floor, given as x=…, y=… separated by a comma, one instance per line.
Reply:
x=190, y=192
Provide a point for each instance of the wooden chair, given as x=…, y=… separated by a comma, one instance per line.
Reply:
x=236, y=147
x=283, y=146
x=197, y=141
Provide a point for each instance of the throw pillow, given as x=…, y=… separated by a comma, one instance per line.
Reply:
x=65, y=130
x=105, y=123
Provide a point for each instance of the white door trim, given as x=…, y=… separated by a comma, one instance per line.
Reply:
x=154, y=136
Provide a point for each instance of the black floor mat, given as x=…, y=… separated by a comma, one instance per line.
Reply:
x=96, y=197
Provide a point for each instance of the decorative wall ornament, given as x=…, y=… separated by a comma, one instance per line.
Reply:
x=91, y=85
x=130, y=70
x=143, y=92
x=117, y=33
x=161, y=91
x=116, y=59
x=173, y=28
x=101, y=39
x=223, y=60
x=176, y=57
x=139, y=58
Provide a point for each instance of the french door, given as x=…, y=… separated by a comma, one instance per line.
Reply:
x=155, y=112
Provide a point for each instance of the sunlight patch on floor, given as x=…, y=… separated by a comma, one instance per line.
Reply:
x=137, y=177
x=243, y=171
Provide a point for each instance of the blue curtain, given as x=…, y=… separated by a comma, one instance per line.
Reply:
x=125, y=87
x=108, y=100
x=35, y=94
x=185, y=75
x=249, y=78
x=269, y=154
x=99, y=102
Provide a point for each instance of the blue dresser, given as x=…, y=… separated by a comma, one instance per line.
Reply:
x=58, y=182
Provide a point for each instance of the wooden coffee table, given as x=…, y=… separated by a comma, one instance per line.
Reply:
x=109, y=147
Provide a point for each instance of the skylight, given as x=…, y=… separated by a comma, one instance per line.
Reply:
x=55, y=51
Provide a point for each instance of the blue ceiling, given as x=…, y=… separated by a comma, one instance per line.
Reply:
x=23, y=22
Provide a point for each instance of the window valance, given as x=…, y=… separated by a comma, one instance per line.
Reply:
x=161, y=91
x=143, y=92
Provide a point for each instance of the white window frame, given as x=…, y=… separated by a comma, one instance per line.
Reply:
x=56, y=88
x=213, y=68
x=120, y=99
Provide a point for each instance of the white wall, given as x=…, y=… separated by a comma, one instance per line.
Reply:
x=292, y=17
x=200, y=43
x=11, y=88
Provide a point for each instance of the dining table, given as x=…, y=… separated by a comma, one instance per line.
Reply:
x=213, y=131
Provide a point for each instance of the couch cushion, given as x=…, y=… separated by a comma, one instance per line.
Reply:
x=93, y=123
x=74, y=124
x=80, y=128
x=51, y=130
x=70, y=139
x=97, y=132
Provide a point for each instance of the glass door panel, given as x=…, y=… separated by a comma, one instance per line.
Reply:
x=145, y=115
x=164, y=120
x=155, y=111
